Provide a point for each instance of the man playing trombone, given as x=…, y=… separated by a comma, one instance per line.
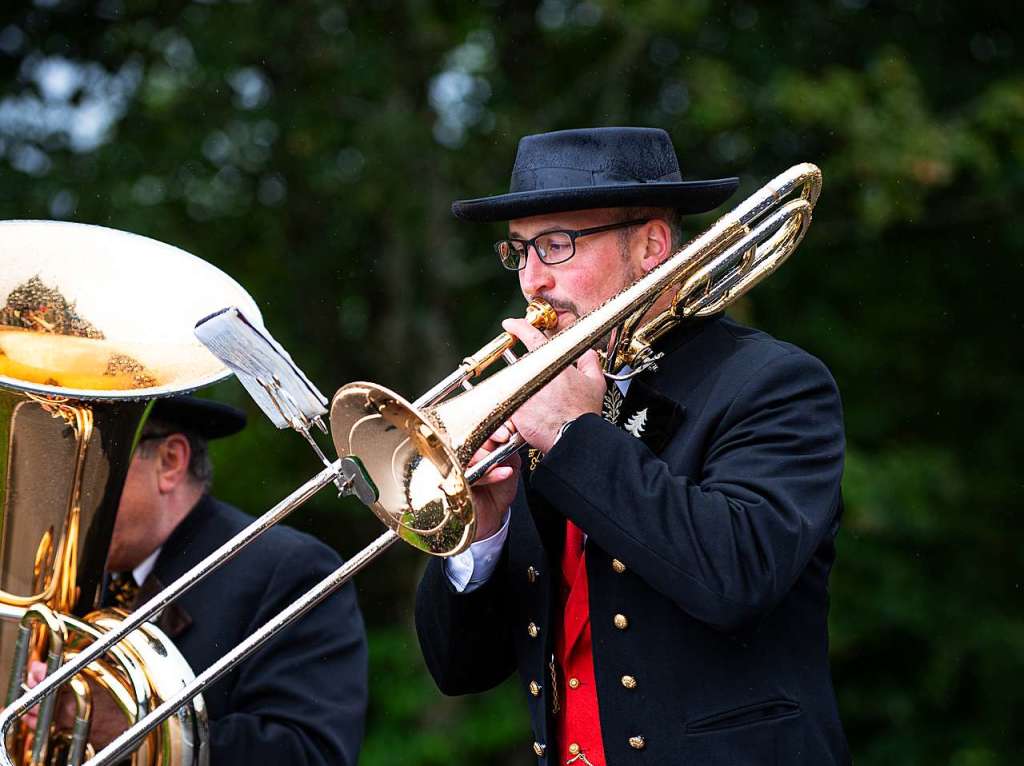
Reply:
x=656, y=566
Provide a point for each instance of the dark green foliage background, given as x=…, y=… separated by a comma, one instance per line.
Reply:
x=311, y=149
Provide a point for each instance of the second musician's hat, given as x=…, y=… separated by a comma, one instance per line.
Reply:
x=592, y=168
x=209, y=419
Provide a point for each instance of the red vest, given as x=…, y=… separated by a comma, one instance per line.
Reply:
x=578, y=722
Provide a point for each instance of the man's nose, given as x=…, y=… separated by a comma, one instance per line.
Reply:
x=536, y=276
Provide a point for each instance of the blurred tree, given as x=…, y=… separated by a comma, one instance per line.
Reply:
x=311, y=150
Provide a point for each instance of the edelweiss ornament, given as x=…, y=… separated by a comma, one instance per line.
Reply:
x=611, y=407
x=636, y=424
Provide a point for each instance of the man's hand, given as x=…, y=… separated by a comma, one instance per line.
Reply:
x=107, y=718
x=494, y=491
x=36, y=673
x=577, y=390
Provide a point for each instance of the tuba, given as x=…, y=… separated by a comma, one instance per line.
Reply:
x=94, y=325
x=410, y=461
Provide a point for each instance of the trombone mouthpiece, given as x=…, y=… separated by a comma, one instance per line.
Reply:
x=540, y=314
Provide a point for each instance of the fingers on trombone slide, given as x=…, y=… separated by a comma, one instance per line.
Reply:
x=506, y=468
x=527, y=334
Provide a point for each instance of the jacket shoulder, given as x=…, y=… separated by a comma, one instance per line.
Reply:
x=755, y=345
x=745, y=352
x=213, y=522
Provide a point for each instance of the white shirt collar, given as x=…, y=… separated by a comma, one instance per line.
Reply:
x=624, y=384
x=141, y=572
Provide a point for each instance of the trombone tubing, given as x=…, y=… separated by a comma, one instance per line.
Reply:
x=184, y=583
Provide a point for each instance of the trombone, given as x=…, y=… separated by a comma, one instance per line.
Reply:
x=410, y=461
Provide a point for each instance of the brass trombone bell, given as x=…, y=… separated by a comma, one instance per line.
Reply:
x=396, y=439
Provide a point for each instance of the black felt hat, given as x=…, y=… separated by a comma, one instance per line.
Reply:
x=205, y=417
x=592, y=168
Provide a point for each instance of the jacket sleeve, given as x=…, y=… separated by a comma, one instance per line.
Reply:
x=726, y=545
x=301, y=699
x=466, y=638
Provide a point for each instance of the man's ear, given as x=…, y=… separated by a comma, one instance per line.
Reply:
x=657, y=243
x=173, y=455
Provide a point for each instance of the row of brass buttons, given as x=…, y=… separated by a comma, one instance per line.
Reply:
x=637, y=743
x=532, y=575
x=622, y=622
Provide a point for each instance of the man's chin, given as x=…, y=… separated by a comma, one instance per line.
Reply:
x=566, y=319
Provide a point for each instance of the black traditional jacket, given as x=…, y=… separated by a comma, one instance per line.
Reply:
x=711, y=519
x=300, y=699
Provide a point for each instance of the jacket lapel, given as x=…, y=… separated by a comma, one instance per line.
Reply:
x=649, y=415
x=173, y=619
x=177, y=555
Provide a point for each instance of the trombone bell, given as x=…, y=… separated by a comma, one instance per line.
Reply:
x=424, y=498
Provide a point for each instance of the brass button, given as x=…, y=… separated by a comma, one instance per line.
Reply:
x=535, y=688
x=620, y=621
x=574, y=683
x=618, y=566
x=629, y=682
x=532, y=574
x=574, y=749
x=637, y=743
x=539, y=749
x=533, y=630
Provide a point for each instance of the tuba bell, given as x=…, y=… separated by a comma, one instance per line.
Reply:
x=94, y=325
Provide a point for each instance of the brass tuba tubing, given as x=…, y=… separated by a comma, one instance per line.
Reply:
x=83, y=348
x=83, y=719
x=228, y=550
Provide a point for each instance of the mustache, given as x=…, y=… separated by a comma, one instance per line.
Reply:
x=557, y=303
x=603, y=343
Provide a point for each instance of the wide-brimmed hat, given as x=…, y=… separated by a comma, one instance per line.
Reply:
x=594, y=168
x=209, y=419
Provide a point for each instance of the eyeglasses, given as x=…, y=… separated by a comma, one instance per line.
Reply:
x=552, y=246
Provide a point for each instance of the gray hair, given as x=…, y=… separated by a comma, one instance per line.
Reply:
x=200, y=467
x=669, y=215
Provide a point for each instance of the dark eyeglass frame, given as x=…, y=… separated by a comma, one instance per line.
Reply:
x=573, y=235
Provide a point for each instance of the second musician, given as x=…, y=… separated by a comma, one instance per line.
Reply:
x=302, y=698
